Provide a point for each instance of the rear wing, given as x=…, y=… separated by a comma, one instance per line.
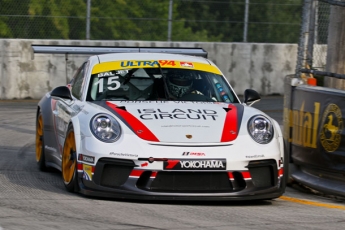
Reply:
x=95, y=50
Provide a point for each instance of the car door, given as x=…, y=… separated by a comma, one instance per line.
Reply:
x=65, y=109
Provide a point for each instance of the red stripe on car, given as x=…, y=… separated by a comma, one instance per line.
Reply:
x=80, y=166
x=153, y=174
x=138, y=128
x=230, y=175
x=246, y=175
x=230, y=125
x=136, y=173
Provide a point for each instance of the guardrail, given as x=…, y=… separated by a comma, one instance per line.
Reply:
x=314, y=133
x=323, y=73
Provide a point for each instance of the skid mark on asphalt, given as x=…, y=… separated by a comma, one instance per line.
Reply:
x=312, y=203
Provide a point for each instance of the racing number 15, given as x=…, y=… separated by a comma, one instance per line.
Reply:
x=111, y=81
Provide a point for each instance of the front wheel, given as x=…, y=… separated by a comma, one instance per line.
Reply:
x=69, y=162
x=286, y=169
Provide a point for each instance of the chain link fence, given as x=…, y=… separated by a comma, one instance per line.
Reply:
x=274, y=21
x=312, y=49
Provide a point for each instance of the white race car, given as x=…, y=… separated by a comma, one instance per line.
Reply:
x=153, y=124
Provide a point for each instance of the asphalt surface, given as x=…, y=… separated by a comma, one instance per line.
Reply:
x=30, y=199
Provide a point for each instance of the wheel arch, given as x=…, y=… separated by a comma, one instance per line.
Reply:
x=44, y=106
x=75, y=123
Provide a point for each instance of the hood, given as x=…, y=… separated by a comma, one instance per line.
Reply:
x=179, y=121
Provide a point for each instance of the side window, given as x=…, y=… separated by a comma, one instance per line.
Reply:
x=77, y=82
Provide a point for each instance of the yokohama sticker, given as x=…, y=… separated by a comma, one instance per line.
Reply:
x=192, y=164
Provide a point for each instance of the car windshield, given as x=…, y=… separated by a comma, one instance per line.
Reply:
x=159, y=84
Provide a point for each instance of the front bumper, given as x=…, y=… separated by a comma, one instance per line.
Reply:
x=119, y=178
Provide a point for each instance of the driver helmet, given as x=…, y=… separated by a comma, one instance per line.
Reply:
x=179, y=83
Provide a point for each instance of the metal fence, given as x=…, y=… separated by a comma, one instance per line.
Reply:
x=312, y=49
x=275, y=21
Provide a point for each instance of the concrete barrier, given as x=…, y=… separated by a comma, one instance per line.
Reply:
x=258, y=66
x=314, y=136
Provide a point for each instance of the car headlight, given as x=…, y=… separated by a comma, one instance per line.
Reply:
x=260, y=129
x=105, y=128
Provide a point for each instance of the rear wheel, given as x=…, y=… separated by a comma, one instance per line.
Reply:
x=69, y=162
x=40, y=157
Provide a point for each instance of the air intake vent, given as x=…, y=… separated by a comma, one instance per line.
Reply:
x=264, y=173
x=191, y=182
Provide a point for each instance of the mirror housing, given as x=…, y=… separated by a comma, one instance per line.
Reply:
x=251, y=96
x=61, y=92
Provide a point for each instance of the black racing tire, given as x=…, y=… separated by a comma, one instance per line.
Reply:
x=286, y=173
x=40, y=153
x=69, y=162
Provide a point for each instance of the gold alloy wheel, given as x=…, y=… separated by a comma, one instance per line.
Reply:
x=68, y=158
x=39, y=137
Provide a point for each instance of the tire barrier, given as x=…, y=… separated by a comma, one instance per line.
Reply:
x=314, y=135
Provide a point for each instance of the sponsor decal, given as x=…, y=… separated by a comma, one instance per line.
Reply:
x=129, y=64
x=304, y=125
x=190, y=164
x=105, y=74
x=197, y=154
x=145, y=102
x=85, y=158
x=61, y=111
x=122, y=72
x=191, y=114
x=77, y=108
x=61, y=125
x=133, y=123
x=175, y=102
x=123, y=154
x=147, y=63
x=87, y=172
x=308, y=130
x=255, y=156
x=186, y=64
x=112, y=83
x=331, y=129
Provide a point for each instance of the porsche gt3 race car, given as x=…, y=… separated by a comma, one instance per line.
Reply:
x=160, y=124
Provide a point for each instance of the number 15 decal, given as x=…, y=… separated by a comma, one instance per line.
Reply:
x=111, y=81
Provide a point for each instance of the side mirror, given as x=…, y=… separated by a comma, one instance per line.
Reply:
x=251, y=96
x=61, y=92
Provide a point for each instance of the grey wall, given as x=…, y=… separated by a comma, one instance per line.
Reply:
x=258, y=66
